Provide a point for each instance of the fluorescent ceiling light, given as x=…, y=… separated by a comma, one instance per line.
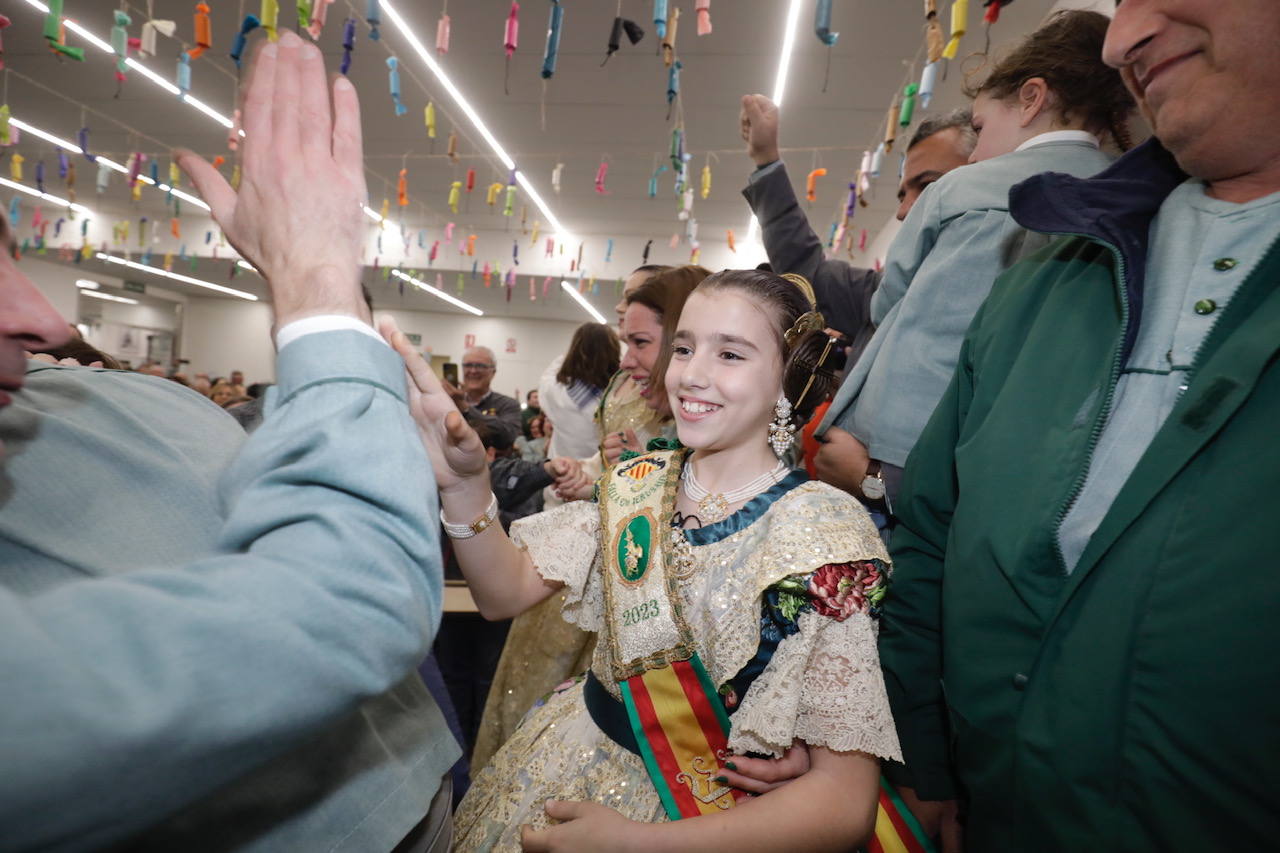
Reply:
x=430, y=61
x=581, y=300
x=780, y=82
x=437, y=292
x=52, y=199
x=151, y=75
x=106, y=161
x=109, y=297
x=87, y=284
x=112, y=259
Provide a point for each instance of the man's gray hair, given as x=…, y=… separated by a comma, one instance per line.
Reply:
x=961, y=119
x=482, y=349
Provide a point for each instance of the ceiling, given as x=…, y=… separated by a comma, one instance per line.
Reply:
x=616, y=113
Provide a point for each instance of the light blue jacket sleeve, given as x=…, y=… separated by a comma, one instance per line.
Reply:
x=908, y=251
x=127, y=697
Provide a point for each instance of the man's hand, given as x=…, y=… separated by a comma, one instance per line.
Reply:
x=842, y=461
x=585, y=827
x=939, y=819
x=759, y=121
x=455, y=393
x=571, y=483
x=616, y=442
x=762, y=775
x=296, y=216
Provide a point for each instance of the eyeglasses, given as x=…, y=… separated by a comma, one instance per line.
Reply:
x=476, y=365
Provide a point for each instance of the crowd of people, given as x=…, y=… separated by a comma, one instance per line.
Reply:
x=1023, y=605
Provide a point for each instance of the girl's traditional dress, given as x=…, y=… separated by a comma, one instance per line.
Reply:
x=542, y=649
x=740, y=636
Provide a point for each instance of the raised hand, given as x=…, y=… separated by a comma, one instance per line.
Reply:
x=457, y=456
x=296, y=215
x=759, y=125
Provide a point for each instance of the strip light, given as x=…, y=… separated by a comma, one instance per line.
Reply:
x=52, y=199
x=430, y=61
x=578, y=297
x=109, y=297
x=198, y=282
x=151, y=75
x=437, y=292
x=780, y=82
x=106, y=161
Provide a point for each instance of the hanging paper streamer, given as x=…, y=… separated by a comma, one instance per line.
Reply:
x=822, y=23
x=877, y=157
x=393, y=82
x=471, y=245
x=495, y=189
x=402, y=188
x=993, y=10
x=455, y=190
x=811, y=184
x=429, y=118
x=203, y=31
x=147, y=40
x=471, y=179
x=959, y=22
x=644, y=257
x=510, y=206
x=608, y=251
x=620, y=26
x=248, y=25
x=373, y=17
x=555, y=177
x=104, y=177
x=348, y=44
x=510, y=41
x=184, y=75
x=669, y=38
x=4, y=22
x=891, y=127
x=452, y=148
x=862, y=241
x=673, y=85
x=653, y=181
x=550, y=247
x=15, y=212
x=434, y=253
x=908, y=105
x=55, y=35
x=702, y=8
x=660, y=18
x=5, y=131
x=270, y=15
x=691, y=232
x=733, y=243
x=537, y=226
x=63, y=165
x=40, y=175
x=515, y=254
x=552, y=50
x=601, y=174
x=448, y=232
x=706, y=181
x=319, y=11
x=928, y=79
x=442, y=35
x=120, y=42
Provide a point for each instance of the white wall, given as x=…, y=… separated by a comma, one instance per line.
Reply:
x=221, y=335
x=58, y=284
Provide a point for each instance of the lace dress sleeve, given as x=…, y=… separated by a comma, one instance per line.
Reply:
x=564, y=545
x=823, y=684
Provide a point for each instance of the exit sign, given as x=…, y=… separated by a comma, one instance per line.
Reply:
x=135, y=286
x=414, y=338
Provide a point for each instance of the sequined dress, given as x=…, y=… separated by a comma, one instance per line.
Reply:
x=780, y=596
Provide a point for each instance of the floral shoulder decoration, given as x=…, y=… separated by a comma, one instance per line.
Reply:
x=835, y=590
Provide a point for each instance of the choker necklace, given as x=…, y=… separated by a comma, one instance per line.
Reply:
x=715, y=506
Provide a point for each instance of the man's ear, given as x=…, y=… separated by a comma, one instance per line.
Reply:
x=1033, y=98
x=490, y=453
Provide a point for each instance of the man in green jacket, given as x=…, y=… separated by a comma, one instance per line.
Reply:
x=1082, y=642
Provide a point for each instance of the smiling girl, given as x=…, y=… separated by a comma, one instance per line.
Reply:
x=735, y=601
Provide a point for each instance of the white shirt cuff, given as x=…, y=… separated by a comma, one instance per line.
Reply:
x=323, y=323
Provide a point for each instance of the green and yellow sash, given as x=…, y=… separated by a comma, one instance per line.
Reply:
x=674, y=709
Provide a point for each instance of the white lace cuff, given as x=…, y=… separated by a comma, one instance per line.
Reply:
x=563, y=544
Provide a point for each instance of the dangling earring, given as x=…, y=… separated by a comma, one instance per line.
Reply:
x=782, y=432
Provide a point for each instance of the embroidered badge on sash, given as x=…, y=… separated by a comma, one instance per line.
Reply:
x=633, y=544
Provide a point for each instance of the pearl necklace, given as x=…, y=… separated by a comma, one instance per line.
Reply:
x=714, y=506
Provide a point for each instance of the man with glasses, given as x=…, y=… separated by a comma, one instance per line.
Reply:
x=479, y=403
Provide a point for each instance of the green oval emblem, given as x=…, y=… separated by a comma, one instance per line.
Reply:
x=633, y=549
